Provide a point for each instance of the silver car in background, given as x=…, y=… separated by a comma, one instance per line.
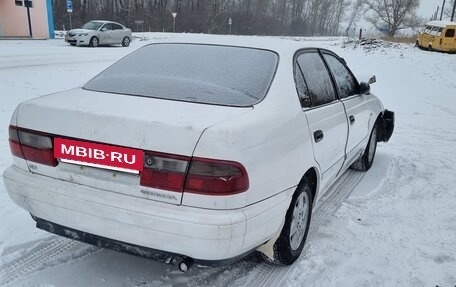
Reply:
x=99, y=32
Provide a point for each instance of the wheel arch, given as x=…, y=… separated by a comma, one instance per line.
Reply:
x=311, y=176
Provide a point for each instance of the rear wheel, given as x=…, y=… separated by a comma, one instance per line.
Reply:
x=364, y=163
x=291, y=241
x=93, y=42
x=126, y=42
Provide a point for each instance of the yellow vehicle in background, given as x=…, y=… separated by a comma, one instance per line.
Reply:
x=438, y=36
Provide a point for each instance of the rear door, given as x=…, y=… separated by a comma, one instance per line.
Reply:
x=117, y=33
x=356, y=104
x=325, y=114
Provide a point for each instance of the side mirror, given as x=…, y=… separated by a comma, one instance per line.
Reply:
x=372, y=80
x=364, y=88
x=103, y=29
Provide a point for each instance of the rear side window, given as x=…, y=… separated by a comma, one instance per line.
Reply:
x=449, y=33
x=347, y=85
x=317, y=78
x=116, y=27
x=301, y=87
x=221, y=75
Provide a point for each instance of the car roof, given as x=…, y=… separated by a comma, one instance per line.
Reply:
x=441, y=24
x=104, y=21
x=278, y=45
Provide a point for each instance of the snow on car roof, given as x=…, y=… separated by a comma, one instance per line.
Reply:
x=442, y=24
x=105, y=21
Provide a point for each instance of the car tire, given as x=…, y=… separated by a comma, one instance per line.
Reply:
x=72, y=44
x=288, y=247
x=94, y=42
x=365, y=162
x=126, y=42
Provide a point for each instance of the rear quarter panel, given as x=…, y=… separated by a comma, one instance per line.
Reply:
x=272, y=142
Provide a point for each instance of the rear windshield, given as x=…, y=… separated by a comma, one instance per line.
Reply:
x=221, y=75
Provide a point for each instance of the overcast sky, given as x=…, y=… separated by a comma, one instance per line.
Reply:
x=428, y=7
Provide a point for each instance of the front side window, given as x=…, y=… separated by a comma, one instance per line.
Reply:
x=209, y=74
x=439, y=32
x=316, y=76
x=346, y=83
x=434, y=31
x=107, y=27
x=449, y=33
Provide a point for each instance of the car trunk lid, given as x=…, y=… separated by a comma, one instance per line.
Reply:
x=119, y=121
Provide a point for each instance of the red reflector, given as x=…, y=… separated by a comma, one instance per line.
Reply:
x=216, y=177
x=43, y=156
x=15, y=148
x=172, y=181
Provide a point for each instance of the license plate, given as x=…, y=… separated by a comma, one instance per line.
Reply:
x=99, y=155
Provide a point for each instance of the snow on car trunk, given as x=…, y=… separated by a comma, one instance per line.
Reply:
x=135, y=123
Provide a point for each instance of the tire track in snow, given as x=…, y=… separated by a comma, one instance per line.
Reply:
x=37, y=258
x=266, y=274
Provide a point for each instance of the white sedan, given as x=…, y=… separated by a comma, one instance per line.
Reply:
x=207, y=151
x=98, y=32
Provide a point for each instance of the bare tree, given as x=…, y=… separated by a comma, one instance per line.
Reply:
x=260, y=17
x=392, y=15
x=449, y=9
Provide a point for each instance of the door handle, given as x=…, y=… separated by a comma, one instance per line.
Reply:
x=352, y=119
x=318, y=136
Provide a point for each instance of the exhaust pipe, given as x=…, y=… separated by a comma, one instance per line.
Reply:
x=185, y=264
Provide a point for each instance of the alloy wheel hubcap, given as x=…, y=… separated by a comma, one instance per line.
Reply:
x=299, y=221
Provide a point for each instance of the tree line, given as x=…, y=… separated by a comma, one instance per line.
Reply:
x=259, y=17
x=249, y=17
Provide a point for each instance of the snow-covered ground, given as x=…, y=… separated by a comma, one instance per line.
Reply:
x=392, y=226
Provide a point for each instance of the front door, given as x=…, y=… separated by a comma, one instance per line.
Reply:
x=106, y=34
x=117, y=33
x=356, y=105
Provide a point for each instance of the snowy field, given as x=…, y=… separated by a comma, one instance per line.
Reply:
x=392, y=226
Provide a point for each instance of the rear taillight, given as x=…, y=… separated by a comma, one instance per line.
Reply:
x=32, y=146
x=164, y=171
x=194, y=175
x=216, y=177
x=14, y=143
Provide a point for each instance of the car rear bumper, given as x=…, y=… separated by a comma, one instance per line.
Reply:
x=201, y=234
